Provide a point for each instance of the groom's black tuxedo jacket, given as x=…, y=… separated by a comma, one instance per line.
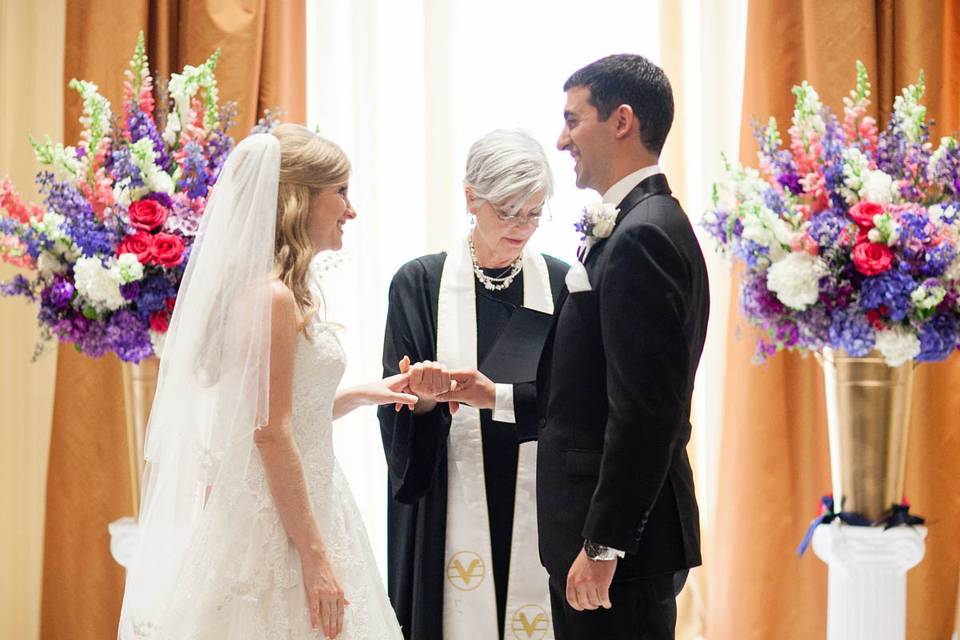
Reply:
x=618, y=375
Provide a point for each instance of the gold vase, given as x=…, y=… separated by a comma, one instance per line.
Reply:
x=139, y=387
x=868, y=415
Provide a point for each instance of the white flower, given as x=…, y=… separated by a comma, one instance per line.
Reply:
x=598, y=220
x=172, y=130
x=927, y=298
x=898, y=346
x=943, y=214
x=49, y=264
x=127, y=268
x=953, y=271
x=161, y=182
x=766, y=228
x=855, y=166
x=877, y=187
x=98, y=284
x=124, y=194
x=796, y=279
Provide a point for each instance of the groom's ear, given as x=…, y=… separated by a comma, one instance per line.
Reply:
x=624, y=120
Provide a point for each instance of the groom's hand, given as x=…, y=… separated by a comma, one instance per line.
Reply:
x=470, y=387
x=588, y=583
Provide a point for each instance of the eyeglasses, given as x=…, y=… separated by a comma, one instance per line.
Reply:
x=517, y=220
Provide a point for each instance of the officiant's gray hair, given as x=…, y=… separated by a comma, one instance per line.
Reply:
x=508, y=167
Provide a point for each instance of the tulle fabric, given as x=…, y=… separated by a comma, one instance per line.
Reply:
x=213, y=387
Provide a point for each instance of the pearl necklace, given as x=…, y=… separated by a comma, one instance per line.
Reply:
x=491, y=283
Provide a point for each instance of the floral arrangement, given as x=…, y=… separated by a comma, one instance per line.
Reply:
x=109, y=247
x=849, y=237
x=597, y=220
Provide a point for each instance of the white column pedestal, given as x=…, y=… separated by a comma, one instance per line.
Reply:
x=868, y=578
x=123, y=540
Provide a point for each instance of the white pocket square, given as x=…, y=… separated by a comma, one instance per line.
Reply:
x=577, y=279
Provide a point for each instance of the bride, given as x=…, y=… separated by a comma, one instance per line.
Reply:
x=248, y=529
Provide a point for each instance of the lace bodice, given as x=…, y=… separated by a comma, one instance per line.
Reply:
x=319, y=363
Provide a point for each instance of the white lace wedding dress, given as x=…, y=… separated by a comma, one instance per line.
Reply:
x=252, y=587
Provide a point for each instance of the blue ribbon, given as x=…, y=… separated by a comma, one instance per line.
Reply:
x=899, y=515
x=828, y=515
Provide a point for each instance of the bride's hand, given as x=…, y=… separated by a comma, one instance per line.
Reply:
x=324, y=594
x=392, y=390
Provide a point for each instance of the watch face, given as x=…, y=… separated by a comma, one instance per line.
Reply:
x=593, y=549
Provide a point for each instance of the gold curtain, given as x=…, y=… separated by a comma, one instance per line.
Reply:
x=31, y=102
x=263, y=65
x=774, y=455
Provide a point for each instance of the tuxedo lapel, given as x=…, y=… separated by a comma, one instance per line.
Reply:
x=655, y=185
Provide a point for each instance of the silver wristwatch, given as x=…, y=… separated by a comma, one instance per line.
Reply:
x=598, y=552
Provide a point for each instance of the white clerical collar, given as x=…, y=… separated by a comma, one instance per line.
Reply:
x=615, y=194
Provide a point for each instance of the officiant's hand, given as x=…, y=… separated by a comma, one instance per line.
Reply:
x=427, y=380
x=588, y=583
x=472, y=388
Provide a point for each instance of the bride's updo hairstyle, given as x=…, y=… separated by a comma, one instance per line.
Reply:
x=308, y=164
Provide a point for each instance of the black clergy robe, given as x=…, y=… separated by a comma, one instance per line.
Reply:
x=416, y=446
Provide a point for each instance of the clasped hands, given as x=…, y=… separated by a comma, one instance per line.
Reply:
x=433, y=383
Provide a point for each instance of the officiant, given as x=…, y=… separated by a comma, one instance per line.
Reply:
x=462, y=531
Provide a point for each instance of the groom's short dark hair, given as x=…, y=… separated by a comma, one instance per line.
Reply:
x=630, y=79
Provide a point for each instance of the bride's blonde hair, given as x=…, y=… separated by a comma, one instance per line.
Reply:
x=308, y=164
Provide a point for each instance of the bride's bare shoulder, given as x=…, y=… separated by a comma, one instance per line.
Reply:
x=284, y=303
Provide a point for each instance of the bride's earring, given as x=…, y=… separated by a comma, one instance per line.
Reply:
x=473, y=220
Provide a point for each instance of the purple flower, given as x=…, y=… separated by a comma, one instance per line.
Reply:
x=153, y=295
x=757, y=301
x=938, y=338
x=825, y=227
x=81, y=224
x=936, y=260
x=128, y=336
x=141, y=125
x=182, y=219
x=59, y=294
x=775, y=201
x=814, y=327
x=717, y=228
x=160, y=197
x=195, y=180
x=851, y=332
x=72, y=327
x=891, y=290
x=750, y=252
x=120, y=165
x=770, y=153
x=130, y=291
x=17, y=286
x=94, y=342
x=833, y=143
x=790, y=182
x=218, y=147
x=946, y=171
x=787, y=333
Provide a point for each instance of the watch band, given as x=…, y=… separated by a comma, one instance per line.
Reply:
x=599, y=552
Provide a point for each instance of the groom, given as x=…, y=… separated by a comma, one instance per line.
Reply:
x=618, y=518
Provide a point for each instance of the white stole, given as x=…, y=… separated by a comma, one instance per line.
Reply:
x=469, y=598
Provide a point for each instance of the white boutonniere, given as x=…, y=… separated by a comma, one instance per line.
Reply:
x=597, y=221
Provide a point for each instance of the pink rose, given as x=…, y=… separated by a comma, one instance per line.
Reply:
x=871, y=258
x=140, y=243
x=147, y=214
x=167, y=250
x=862, y=213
